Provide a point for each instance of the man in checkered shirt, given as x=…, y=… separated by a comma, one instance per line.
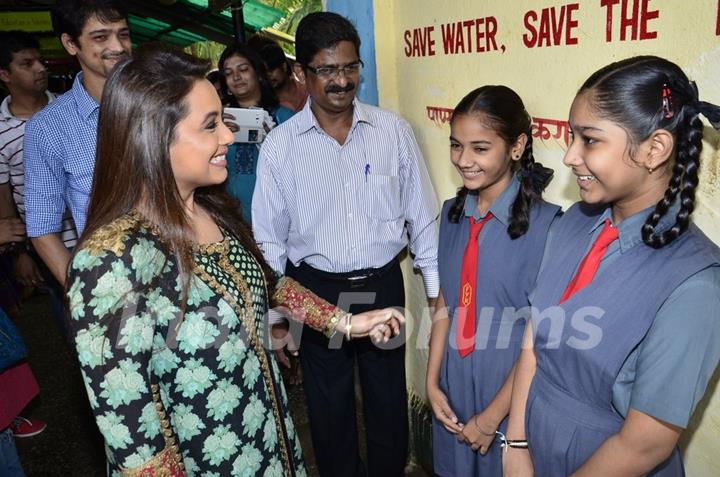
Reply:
x=60, y=140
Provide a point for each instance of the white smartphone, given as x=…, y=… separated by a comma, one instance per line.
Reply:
x=250, y=122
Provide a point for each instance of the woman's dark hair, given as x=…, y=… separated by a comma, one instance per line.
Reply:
x=502, y=110
x=320, y=30
x=268, y=98
x=630, y=94
x=147, y=96
x=215, y=76
x=271, y=52
x=70, y=16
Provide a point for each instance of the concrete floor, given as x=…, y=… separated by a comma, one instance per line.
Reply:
x=71, y=446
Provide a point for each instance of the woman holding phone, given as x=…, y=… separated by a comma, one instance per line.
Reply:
x=249, y=87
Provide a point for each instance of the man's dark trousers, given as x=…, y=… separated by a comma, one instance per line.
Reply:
x=328, y=370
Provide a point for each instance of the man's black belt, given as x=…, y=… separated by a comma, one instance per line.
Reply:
x=355, y=277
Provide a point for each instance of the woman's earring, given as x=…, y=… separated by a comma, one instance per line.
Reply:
x=650, y=170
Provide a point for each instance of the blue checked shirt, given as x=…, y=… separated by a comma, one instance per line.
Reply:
x=341, y=208
x=59, y=149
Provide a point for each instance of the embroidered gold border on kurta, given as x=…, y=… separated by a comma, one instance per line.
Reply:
x=248, y=316
x=111, y=236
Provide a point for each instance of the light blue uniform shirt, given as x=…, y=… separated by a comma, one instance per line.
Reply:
x=668, y=372
x=501, y=208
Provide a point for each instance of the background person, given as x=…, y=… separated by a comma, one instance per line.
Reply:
x=290, y=92
x=59, y=141
x=248, y=85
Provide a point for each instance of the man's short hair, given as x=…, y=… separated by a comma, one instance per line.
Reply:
x=321, y=30
x=70, y=16
x=270, y=51
x=12, y=42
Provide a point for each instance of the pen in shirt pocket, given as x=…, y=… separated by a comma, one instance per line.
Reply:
x=367, y=171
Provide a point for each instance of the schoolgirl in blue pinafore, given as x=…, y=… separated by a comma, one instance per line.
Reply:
x=492, y=237
x=506, y=275
x=588, y=377
x=625, y=321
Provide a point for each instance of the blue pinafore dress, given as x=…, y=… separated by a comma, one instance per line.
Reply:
x=582, y=344
x=506, y=275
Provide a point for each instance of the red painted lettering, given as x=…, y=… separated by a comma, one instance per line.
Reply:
x=416, y=43
x=633, y=19
x=490, y=32
x=468, y=24
x=630, y=21
x=431, y=41
x=479, y=35
x=420, y=42
x=485, y=30
x=557, y=25
x=646, y=17
x=609, y=4
x=555, y=28
x=448, y=37
x=457, y=37
x=531, y=39
x=572, y=23
x=544, y=33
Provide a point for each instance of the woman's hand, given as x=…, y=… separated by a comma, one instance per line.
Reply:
x=11, y=230
x=479, y=432
x=228, y=120
x=441, y=409
x=380, y=325
x=517, y=463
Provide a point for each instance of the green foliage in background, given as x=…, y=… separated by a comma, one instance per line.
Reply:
x=296, y=10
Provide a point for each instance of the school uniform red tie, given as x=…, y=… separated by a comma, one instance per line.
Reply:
x=589, y=266
x=465, y=331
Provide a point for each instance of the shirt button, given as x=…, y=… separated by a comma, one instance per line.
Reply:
x=347, y=184
x=350, y=215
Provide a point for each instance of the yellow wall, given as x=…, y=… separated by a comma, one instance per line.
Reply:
x=546, y=77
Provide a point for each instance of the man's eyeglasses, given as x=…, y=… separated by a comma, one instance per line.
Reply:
x=332, y=72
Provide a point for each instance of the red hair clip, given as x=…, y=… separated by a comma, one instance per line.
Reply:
x=667, y=102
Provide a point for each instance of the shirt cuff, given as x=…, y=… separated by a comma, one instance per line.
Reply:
x=275, y=317
x=660, y=408
x=42, y=224
x=431, y=278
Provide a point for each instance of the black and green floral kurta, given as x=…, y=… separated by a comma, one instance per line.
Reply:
x=220, y=388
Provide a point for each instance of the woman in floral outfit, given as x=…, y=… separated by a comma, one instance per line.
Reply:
x=169, y=293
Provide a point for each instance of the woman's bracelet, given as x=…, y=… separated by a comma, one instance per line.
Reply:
x=478, y=427
x=515, y=444
x=348, y=326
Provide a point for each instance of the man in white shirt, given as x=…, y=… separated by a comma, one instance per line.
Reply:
x=342, y=189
